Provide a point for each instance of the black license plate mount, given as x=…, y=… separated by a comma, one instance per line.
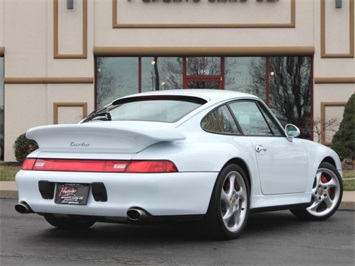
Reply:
x=72, y=194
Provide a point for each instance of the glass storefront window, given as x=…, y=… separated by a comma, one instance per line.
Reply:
x=203, y=66
x=203, y=85
x=246, y=74
x=116, y=77
x=161, y=73
x=284, y=83
x=290, y=91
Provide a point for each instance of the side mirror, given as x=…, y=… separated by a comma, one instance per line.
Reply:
x=292, y=131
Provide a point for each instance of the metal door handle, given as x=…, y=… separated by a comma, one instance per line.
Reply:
x=260, y=148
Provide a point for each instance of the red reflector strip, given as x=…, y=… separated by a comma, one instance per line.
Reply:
x=80, y=165
x=99, y=166
x=115, y=166
x=151, y=167
x=28, y=164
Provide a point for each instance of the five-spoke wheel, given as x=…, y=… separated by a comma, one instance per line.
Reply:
x=327, y=193
x=229, y=207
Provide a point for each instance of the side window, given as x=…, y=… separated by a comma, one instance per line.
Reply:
x=275, y=129
x=253, y=120
x=220, y=120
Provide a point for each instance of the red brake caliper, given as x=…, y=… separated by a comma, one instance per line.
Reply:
x=226, y=185
x=325, y=180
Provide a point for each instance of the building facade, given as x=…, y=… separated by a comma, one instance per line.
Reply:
x=61, y=59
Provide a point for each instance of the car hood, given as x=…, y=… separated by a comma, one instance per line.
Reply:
x=107, y=137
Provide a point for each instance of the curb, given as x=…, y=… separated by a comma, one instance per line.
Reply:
x=8, y=190
x=8, y=194
x=348, y=201
x=347, y=206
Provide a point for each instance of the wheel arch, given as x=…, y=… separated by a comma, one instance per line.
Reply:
x=329, y=160
x=245, y=168
x=215, y=222
x=334, y=162
x=241, y=163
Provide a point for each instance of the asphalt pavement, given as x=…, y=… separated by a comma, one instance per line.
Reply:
x=270, y=239
x=8, y=190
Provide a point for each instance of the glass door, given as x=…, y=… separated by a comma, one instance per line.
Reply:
x=203, y=73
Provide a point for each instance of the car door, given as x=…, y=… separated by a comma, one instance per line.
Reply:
x=282, y=164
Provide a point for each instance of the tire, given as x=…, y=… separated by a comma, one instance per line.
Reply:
x=327, y=192
x=69, y=223
x=229, y=206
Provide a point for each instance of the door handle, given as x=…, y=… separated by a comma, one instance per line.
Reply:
x=260, y=148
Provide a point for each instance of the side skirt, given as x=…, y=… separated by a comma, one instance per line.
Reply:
x=279, y=208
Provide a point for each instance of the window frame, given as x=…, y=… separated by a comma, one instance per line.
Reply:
x=266, y=114
x=239, y=133
x=264, y=111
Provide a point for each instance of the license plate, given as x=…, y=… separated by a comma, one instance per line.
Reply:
x=72, y=194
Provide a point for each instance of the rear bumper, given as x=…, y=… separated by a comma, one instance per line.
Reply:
x=158, y=194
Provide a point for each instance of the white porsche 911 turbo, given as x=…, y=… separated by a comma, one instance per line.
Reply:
x=208, y=154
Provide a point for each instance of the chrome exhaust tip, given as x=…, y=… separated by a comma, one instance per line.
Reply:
x=23, y=208
x=136, y=214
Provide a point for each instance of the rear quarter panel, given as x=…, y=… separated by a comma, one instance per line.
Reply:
x=195, y=155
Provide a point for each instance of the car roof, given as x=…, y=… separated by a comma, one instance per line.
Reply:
x=210, y=95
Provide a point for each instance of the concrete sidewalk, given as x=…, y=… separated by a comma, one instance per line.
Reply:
x=8, y=190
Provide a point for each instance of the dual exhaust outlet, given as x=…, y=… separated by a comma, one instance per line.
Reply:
x=23, y=208
x=137, y=214
x=133, y=214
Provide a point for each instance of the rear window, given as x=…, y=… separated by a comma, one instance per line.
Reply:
x=156, y=109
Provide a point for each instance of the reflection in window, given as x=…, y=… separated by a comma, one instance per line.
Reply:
x=203, y=85
x=290, y=91
x=284, y=83
x=250, y=119
x=164, y=110
x=253, y=120
x=220, y=120
x=116, y=77
x=161, y=73
x=203, y=66
x=246, y=74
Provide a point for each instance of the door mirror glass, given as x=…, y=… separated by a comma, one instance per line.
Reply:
x=292, y=131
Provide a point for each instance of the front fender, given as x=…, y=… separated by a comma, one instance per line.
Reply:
x=319, y=154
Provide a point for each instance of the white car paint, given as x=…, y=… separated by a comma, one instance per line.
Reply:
x=281, y=171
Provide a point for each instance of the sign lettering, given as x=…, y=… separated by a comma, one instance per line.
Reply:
x=198, y=1
x=191, y=1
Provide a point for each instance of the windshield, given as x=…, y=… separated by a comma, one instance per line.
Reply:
x=156, y=109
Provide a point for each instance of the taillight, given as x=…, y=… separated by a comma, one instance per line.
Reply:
x=151, y=167
x=28, y=164
x=80, y=165
x=111, y=166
